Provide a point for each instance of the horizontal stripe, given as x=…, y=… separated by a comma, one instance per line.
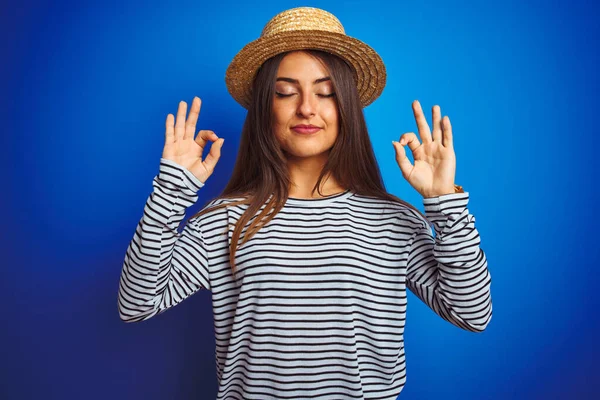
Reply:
x=318, y=308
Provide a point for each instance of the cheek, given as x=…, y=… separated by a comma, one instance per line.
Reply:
x=278, y=123
x=281, y=117
x=332, y=120
x=280, y=129
x=330, y=114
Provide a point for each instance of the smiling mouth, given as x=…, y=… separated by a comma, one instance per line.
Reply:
x=305, y=131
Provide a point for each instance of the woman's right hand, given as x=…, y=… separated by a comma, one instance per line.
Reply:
x=183, y=149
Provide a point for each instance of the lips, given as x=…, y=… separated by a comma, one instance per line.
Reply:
x=305, y=130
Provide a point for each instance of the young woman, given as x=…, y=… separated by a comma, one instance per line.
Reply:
x=306, y=254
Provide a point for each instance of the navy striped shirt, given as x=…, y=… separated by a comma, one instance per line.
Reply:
x=318, y=306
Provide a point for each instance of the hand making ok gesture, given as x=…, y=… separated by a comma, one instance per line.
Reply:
x=182, y=148
x=435, y=161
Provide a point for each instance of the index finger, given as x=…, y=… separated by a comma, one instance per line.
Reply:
x=422, y=125
x=190, y=123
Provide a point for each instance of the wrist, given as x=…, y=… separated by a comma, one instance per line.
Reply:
x=455, y=189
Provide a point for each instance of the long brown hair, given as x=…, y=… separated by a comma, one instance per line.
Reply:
x=260, y=171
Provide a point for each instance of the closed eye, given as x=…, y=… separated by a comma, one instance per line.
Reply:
x=288, y=95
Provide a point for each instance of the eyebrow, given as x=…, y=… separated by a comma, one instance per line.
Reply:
x=326, y=78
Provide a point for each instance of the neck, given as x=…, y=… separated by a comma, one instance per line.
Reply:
x=304, y=173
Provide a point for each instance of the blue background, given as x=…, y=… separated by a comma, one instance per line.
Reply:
x=86, y=88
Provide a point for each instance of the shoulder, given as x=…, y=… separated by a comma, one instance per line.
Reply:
x=405, y=213
x=214, y=210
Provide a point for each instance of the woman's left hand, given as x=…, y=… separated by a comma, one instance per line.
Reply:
x=435, y=161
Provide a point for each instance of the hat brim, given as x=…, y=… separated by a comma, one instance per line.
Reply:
x=370, y=73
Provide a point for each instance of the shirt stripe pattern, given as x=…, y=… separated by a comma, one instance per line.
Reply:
x=317, y=308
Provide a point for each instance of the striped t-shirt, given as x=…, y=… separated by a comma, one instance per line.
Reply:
x=317, y=308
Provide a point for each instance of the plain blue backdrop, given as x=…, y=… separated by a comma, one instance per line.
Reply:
x=87, y=86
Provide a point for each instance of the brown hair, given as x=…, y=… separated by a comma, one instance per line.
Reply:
x=260, y=170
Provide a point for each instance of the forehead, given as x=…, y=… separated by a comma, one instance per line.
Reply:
x=302, y=66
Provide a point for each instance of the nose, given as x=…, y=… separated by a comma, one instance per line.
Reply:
x=307, y=106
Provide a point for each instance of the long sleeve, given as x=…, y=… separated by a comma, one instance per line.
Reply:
x=449, y=272
x=163, y=267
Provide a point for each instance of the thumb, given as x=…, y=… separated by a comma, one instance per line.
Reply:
x=215, y=153
x=402, y=160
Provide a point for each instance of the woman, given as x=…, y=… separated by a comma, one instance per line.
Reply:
x=306, y=254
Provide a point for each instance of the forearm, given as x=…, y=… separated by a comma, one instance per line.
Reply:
x=153, y=278
x=449, y=272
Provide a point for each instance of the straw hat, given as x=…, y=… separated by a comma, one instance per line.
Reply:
x=306, y=28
